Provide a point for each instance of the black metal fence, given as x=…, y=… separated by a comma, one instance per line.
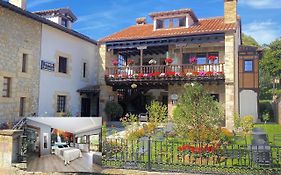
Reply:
x=159, y=155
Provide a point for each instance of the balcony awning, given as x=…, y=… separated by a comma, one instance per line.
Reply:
x=94, y=89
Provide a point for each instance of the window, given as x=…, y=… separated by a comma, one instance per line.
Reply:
x=182, y=22
x=62, y=65
x=216, y=60
x=22, y=106
x=248, y=65
x=24, y=63
x=166, y=23
x=64, y=22
x=84, y=70
x=176, y=22
x=201, y=58
x=186, y=58
x=61, y=101
x=6, y=87
x=159, y=24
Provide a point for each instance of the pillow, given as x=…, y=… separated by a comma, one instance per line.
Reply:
x=60, y=146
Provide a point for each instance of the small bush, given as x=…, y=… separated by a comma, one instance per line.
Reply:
x=247, y=124
x=157, y=112
x=236, y=121
x=113, y=110
x=265, y=117
x=265, y=107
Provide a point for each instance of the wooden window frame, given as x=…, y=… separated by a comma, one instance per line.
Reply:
x=84, y=75
x=64, y=68
x=24, y=63
x=6, y=87
x=61, y=103
x=253, y=65
x=22, y=106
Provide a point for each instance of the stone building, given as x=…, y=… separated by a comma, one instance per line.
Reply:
x=20, y=41
x=46, y=68
x=148, y=62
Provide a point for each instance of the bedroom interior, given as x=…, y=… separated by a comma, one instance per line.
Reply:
x=63, y=144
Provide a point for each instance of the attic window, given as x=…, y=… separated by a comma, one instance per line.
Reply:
x=64, y=22
x=171, y=23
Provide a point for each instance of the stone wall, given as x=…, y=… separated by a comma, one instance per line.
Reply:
x=9, y=147
x=106, y=92
x=19, y=35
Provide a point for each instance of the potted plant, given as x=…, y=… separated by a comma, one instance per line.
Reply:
x=169, y=61
x=192, y=60
x=115, y=62
x=212, y=58
x=130, y=62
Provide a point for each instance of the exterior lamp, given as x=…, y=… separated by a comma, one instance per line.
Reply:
x=134, y=86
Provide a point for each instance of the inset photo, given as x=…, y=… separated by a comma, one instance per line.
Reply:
x=58, y=144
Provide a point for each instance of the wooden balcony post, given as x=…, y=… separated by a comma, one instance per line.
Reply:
x=141, y=48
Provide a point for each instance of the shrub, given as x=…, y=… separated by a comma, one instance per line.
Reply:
x=134, y=135
x=197, y=115
x=157, y=112
x=265, y=107
x=247, y=124
x=236, y=121
x=265, y=117
x=113, y=110
x=129, y=119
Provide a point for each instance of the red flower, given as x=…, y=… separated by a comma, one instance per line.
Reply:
x=130, y=62
x=169, y=60
x=195, y=73
x=115, y=62
x=212, y=58
x=209, y=73
x=156, y=74
x=170, y=73
x=140, y=75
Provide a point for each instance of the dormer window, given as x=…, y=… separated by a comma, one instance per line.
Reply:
x=173, y=19
x=171, y=23
x=64, y=22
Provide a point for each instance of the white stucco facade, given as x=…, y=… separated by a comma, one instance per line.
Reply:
x=56, y=43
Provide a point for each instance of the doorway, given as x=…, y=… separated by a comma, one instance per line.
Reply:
x=86, y=107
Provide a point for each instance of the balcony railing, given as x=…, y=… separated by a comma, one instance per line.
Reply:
x=184, y=71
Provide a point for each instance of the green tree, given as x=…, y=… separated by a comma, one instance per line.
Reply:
x=270, y=69
x=197, y=116
x=249, y=41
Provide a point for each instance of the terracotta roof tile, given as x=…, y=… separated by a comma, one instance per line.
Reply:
x=204, y=26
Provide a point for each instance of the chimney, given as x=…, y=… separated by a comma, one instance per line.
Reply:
x=230, y=11
x=19, y=3
x=141, y=21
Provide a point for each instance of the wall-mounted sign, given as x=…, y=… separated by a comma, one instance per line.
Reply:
x=48, y=66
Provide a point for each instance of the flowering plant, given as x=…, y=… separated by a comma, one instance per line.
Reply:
x=199, y=151
x=152, y=61
x=115, y=62
x=192, y=60
x=169, y=60
x=130, y=62
x=212, y=58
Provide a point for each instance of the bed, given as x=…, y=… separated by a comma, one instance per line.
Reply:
x=67, y=154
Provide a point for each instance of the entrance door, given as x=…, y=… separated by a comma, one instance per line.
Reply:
x=86, y=107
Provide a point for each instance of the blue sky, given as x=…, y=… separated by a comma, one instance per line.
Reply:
x=99, y=18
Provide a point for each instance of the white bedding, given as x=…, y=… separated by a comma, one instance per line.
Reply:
x=68, y=154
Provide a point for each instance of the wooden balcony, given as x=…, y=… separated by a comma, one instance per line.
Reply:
x=163, y=74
